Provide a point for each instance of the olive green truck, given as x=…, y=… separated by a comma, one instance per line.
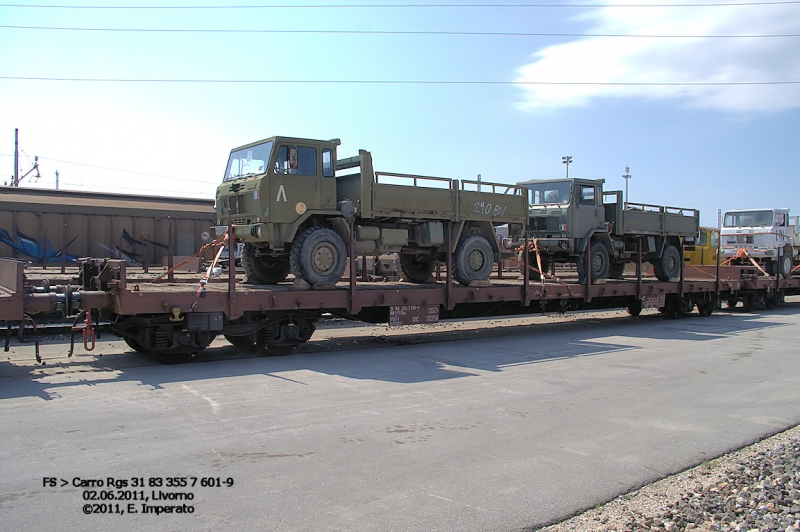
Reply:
x=291, y=202
x=575, y=221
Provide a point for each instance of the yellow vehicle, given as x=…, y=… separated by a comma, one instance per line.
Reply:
x=704, y=250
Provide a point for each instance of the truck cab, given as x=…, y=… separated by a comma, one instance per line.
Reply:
x=702, y=251
x=271, y=185
x=767, y=236
x=562, y=212
x=563, y=216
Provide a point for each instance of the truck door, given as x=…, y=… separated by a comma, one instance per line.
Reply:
x=589, y=211
x=296, y=186
x=714, y=240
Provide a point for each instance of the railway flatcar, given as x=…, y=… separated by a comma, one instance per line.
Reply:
x=45, y=226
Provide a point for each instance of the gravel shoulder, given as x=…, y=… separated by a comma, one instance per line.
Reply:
x=752, y=489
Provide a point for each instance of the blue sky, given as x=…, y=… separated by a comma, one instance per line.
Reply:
x=701, y=146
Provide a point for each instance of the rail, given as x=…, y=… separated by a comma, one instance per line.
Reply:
x=494, y=188
x=415, y=179
x=646, y=207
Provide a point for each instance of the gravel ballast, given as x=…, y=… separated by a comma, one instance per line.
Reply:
x=756, y=488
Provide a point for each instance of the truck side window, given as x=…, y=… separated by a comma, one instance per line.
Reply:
x=587, y=195
x=296, y=160
x=327, y=163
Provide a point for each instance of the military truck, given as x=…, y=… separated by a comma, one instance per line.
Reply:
x=767, y=236
x=574, y=219
x=291, y=202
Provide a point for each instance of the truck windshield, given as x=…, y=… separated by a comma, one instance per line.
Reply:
x=545, y=193
x=248, y=161
x=748, y=219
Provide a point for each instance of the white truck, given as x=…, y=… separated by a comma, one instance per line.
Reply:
x=768, y=236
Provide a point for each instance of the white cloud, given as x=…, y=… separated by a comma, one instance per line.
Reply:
x=672, y=60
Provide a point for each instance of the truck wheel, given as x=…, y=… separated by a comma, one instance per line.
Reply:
x=599, y=260
x=669, y=265
x=416, y=268
x=786, y=266
x=473, y=260
x=318, y=256
x=263, y=269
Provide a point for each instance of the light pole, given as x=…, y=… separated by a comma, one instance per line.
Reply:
x=626, y=176
x=566, y=160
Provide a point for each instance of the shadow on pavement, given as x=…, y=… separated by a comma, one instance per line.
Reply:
x=493, y=348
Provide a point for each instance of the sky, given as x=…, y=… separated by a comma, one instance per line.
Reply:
x=699, y=98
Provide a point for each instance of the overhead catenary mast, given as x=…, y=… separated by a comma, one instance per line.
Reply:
x=17, y=178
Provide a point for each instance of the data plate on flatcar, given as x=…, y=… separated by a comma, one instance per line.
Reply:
x=413, y=315
x=657, y=301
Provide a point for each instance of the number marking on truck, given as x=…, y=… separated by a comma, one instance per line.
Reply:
x=481, y=207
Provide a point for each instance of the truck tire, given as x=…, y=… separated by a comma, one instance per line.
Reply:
x=473, y=260
x=263, y=269
x=786, y=266
x=416, y=268
x=599, y=260
x=669, y=265
x=318, y=256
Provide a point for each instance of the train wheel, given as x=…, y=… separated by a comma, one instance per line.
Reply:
x=135, y=345
x=473, y=260
x=673, y=307
x=705, y=309
x=281, y=338
x=263, y=269
x=243, y=342
x=173, y=346
x=750, y=303
x=318, y=256
x=416, y=268
x=669, y=265
x=634, y=309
